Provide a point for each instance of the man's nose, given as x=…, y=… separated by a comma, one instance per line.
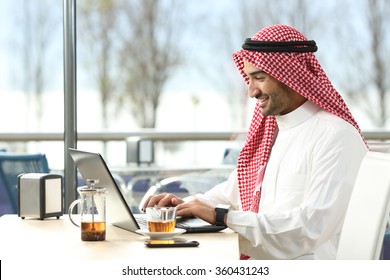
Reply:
x=253, y=91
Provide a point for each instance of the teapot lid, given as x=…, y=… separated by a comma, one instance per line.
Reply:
x=91, y=188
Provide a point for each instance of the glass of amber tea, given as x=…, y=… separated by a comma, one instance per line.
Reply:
x=92, y=212
x=161, y=219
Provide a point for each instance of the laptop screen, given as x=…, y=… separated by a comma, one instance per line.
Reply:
x=93, y=166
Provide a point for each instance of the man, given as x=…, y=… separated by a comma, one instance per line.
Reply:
x=296, y=171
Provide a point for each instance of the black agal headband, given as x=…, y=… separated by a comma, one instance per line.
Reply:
x=272, y=46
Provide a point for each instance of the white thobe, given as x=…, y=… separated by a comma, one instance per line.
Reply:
x=305, y=192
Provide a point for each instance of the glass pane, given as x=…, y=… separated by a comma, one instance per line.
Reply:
x=31, y=74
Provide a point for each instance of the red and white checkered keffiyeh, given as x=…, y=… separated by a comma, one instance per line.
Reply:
x=302, y=73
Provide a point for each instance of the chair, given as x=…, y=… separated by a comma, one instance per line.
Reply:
x=386, y=245
x=368, y=210
x=230, y=156
x=136, y=188
x=11, y=166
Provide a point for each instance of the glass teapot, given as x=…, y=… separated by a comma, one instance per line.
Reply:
x=92, y=211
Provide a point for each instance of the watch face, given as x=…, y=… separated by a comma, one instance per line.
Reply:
x=223, y=206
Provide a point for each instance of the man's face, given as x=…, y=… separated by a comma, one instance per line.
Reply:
x=274, y=97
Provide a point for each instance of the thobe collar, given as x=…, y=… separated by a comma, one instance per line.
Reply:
x=298, y=116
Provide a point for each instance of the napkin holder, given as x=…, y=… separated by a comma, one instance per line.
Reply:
x=40, y=195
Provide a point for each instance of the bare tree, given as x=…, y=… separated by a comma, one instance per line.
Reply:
x=97, y=21
x=38, y=27
x=366, y=79
x=302, y=14
x=150, y=53
x=377, y=17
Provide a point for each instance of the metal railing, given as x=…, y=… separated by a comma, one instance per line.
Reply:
x=122, y=136
x=150, y=134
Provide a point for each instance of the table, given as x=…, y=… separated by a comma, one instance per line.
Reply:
x=60, y=239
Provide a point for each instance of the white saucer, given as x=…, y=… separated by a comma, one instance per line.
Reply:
x=161, y=235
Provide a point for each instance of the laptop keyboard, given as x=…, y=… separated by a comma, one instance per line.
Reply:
x=141, y=220
x=180, y=222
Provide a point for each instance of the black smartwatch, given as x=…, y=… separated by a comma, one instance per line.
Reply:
x=220, y=212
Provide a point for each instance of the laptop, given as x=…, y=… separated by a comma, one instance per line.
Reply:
x=93, y=166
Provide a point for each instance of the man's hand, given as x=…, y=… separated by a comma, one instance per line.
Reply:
x=191, y=208
x=198, y=209
x=163, y=199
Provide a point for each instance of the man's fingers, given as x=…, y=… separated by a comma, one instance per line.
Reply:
x=161, y=200
x=152, y=201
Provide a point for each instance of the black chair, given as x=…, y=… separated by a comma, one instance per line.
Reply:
x=11, y=166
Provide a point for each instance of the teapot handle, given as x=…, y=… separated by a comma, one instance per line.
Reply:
x=71, y=206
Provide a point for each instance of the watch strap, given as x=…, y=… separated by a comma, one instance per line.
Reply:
x=220, y=216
